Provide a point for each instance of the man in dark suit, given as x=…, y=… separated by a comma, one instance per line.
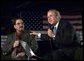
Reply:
x=19, y=44
x=62, y=37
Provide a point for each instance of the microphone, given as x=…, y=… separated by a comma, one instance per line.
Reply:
x=51, y=27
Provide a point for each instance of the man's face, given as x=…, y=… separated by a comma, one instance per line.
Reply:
x=52, y=18
x=19, y=25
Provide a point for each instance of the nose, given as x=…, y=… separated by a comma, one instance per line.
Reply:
x=21, y=25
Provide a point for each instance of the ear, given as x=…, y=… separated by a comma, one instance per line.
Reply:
x=14, y=26
x=58, y=18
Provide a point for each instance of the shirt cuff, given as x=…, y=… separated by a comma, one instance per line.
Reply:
x=53, y=36
x=39, y=35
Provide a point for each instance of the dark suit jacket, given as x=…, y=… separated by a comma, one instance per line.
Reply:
x=25, y=37
x=64, y=43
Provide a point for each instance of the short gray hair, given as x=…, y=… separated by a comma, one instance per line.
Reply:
x=56, y=12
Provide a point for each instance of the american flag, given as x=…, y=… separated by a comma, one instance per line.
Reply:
x=37, y=21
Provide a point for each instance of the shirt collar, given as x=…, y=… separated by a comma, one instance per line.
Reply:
x=57, y=24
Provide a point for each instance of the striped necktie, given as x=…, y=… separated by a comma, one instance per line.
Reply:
x=54, y=30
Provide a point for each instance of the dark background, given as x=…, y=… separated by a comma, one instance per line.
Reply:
x=32, y=11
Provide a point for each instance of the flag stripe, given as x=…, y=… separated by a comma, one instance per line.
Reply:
x=67, y=16
x=71, y=21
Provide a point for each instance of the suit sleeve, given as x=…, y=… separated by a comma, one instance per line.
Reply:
x=45, y=37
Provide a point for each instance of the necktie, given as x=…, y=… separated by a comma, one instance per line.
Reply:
x=54, y=30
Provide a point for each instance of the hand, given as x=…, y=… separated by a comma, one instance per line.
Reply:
x=34, y=33
x=21, y=54
x=50, y=33
x=16, y=43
